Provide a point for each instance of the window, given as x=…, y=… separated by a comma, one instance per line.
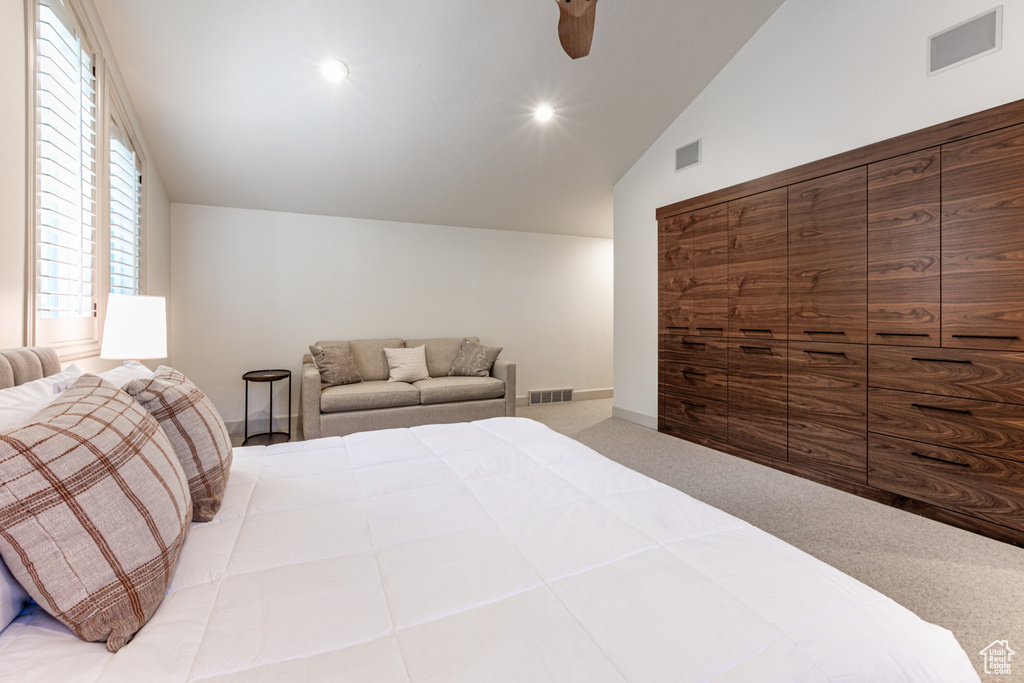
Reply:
x=125, y=215
x=86, y=231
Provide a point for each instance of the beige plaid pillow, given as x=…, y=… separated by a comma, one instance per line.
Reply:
x=196, y=431
x=94, y=507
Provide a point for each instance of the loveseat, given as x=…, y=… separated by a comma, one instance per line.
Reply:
x=375, y=403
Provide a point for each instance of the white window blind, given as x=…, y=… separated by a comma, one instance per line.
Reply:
x=125, y=215
x=65, y=176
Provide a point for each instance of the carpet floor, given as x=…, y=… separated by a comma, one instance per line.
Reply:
x=967, y=583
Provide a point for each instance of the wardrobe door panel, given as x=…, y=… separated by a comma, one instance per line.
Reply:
x=710, y=271
x=758, y=266
x=983, y=241
x=904, y=244
x=828, y=258
x=757, y=396
x=675, y=274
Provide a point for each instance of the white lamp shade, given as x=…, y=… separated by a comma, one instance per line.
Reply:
x=135, y=327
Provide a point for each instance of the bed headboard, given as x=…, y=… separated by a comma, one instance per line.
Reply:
x=25, y=364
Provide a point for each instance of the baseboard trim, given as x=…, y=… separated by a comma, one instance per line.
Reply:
x=649, y=421
x=581, y=395
x=237, y=427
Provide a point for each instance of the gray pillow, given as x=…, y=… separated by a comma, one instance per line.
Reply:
x=335, y=364
x=474, y=360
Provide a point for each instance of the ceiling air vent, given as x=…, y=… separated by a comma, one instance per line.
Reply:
x=688, y=155
x=964, y=42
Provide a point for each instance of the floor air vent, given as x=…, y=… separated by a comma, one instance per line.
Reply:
x=550, y=396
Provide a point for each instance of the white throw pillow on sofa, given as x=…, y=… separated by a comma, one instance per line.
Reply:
x=407, y=365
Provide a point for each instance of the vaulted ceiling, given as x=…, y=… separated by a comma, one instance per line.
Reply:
x=435, y=124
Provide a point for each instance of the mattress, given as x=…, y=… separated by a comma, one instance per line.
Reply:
x=489, y=551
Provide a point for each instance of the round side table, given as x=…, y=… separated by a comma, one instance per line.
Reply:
x=270, y=376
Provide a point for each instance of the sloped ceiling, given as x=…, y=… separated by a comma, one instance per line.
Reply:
x=435, y=123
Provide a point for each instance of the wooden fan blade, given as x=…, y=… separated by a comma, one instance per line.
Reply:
x=576, y=26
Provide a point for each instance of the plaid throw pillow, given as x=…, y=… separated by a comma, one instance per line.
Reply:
x=94, y=507
x=196, y=431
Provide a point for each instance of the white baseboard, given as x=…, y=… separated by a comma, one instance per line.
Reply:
x=237, y=427
x=581, y=395
x=641, y=419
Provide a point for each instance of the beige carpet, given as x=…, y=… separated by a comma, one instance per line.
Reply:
x=969, y=584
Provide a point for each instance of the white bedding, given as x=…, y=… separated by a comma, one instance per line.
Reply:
x=490, y=551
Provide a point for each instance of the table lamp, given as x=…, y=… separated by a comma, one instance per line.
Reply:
x=135, y=327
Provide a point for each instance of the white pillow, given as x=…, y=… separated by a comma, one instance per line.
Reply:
x=12, y=597
x=47, y=387
x=407, y=365
x=22, y=413
x=132, y=369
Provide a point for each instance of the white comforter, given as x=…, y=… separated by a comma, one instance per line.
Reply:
x=490, y=551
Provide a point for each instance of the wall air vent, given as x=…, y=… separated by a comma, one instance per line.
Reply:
x=550, y=396
x=688, y=155
x=967, y=41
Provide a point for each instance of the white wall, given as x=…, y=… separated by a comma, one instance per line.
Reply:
x=819, y=78
x=252, y=289
x=14, y=178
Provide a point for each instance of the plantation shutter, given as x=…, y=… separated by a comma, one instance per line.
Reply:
x=65, y=179
x=125, y=215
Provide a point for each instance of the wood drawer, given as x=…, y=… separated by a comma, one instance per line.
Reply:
x=695, y=415
x=983, y=375
x=828, y=384
x=824, y=448
x=712, y=352
x=975, y=485
x=694, y=380
x=757, y=397
x=978, y=426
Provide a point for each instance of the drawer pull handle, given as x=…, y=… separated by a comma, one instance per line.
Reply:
x=752, y=329
x=692, y=405
x=678, y=328
x=756, y=348
x=932, y=457
x=689, y=343
x=822, y=332
x=691, y=372
x=710, y=328
x=899, y=334
x=942, y=360
x=983, y=336
x=825, y=353
x=945, y=410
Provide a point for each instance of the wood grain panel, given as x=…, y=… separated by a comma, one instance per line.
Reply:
x=977, y=485
x=710, y=271
x=904, y=247
x=940, y=134
x=707, y=351
x=675, y=275
x=977, y=426
x=983, y=241
x=827, y=258
x=694, y=380
x=758, y=266
x=982, y=375
x=696, y=415
x=827, y=449
x=757, y=396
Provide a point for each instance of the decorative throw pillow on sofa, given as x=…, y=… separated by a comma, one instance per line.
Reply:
x=94, y=507
x=196, y=432
x=407, y=365
x=474, y=360
x=335, y=364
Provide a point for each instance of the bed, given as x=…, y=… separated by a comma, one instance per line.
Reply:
x=496, y=550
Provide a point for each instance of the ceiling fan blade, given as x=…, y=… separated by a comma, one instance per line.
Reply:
x=576, y=26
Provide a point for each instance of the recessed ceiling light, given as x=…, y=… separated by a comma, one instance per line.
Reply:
x=544, y=112
x=334, y=70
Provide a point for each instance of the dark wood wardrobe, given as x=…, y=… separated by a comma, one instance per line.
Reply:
x=859, y=321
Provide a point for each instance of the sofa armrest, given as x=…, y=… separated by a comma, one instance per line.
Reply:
x=309, y=400
x=505, y=370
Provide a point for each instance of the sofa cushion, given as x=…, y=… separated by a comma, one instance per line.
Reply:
x=474, y=360
x=368, y=395
x=441, y=352
x=407, y=365
x=369, y=355
x=335, y=365
x=453, y=389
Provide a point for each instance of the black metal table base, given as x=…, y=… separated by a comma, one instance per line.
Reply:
x=269, y=437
